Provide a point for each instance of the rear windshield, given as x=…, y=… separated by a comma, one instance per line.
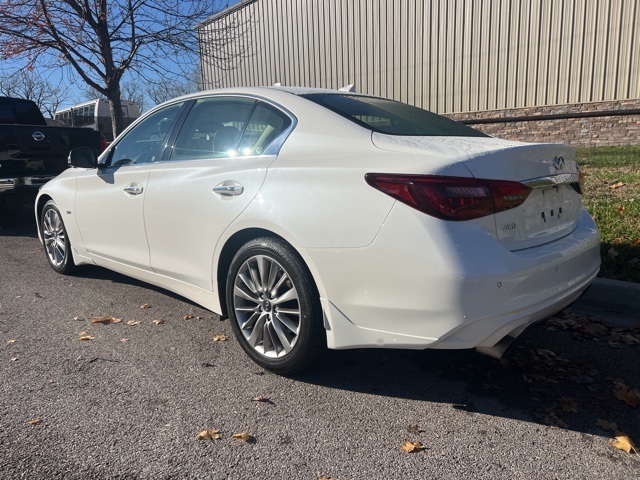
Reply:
x=391, y=117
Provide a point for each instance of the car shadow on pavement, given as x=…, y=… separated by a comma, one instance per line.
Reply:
x=571, y=372
x=18, y=222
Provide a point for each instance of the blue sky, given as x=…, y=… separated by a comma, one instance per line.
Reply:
x=70, y=81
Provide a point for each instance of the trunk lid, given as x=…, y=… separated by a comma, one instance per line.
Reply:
x=551, y=211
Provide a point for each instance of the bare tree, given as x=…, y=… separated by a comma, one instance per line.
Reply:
x=29, y=85
x=165, y=90
x=133, y=92
x=101, y=40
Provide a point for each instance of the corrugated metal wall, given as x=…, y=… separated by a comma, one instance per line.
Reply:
x=443, y=55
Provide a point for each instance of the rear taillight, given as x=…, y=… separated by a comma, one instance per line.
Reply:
x=103, y=143
x=451, y=198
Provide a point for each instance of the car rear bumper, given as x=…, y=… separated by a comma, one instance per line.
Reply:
x=449, y=284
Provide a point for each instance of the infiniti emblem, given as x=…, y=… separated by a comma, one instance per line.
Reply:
x=37, y=136
x=558, y=162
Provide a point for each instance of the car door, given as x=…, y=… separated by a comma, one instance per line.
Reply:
x=216, y=168
x=110, y=200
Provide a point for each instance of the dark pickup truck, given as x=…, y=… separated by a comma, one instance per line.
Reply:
x=31, y=152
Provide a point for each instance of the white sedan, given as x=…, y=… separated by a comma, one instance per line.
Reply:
x=315, y=218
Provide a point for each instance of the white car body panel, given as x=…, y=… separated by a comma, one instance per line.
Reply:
x=181, y=209
x=387, y=274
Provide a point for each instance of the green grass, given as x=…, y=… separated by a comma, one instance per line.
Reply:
x=612, y=196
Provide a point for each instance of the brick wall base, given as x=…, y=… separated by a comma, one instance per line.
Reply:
x=581, y=125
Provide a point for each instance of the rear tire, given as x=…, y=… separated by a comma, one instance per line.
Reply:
x=274, y=307
x=57, y=247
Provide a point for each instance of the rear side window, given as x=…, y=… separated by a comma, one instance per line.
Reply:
x=225, y=127
x=391, y=117
x=21, y=113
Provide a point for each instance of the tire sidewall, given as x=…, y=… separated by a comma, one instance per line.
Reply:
x=311, y=335
x=67, y=264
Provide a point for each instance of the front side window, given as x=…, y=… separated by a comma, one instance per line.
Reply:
x=145, y=142
x=393, y=118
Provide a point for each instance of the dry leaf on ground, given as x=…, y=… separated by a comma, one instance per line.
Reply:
x=145, y=305
x=133, y=323
x=35, y=421
x=616, y=185
x=11, y=341
x=262, y=399
x=244, y=436
x=623, y=442
x=411, y=447
x=414, y=429
x=628, y=396
x=105, y=319
x=220, y=338
x=209, y=434
x=84, y=336
x=187, y=317
x=607, y=425
x=158, y=322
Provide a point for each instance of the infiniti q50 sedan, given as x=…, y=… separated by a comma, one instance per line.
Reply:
x=320, y=218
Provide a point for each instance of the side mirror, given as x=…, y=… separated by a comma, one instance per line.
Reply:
x=83, y=157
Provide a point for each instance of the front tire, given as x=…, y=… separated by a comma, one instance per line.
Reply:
x=56, y=241
x=274, y=307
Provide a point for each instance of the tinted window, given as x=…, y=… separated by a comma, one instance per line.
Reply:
x=145, y=142
x=391, y=117
x=21, y=112
x=213, y=128
x=265, y=124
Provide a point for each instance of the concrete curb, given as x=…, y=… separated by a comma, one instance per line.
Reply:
x=611, y=301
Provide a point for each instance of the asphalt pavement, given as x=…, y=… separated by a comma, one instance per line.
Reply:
x=130, y=399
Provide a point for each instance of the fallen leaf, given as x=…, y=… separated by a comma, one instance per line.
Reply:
x=77, y=318
x=209, y=434
x=35, y=421
x=133, y=323
x=105, y=319
x=628, y=396
x=616, y=185
x=606, y=425
x=324, y=477
x=569, y=405
x=145, y=305
x=124, y=340
x=11, y=341
x=187, y=317
x=262, y=399
x=621, y=210
x=14, y=359
x=102, y=319
x=220, y=338
x=244, y=436
x=158, y=322
x=83, y=338
x=411, y=447
x=623, y=442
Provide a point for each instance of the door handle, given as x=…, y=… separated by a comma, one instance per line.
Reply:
x=228, y=189
x=133, y=189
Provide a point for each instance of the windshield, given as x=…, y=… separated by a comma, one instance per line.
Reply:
x=391, y=117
